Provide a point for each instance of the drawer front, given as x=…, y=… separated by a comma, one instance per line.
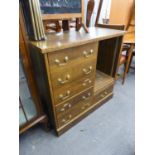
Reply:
x=63, y=93
x=72, y=108
x=61, y=77
x=101, y=95
x=67, y=57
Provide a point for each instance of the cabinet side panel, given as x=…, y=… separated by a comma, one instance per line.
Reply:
x=38, y=64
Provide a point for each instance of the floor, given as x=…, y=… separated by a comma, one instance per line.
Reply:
x=107, y=131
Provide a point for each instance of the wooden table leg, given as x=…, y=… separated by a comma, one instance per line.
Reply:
x=131, y=61
x=128, y=62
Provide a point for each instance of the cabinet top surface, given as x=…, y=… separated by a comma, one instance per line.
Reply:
x=73, y=38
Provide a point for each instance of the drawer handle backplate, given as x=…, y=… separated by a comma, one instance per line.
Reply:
x=67, y=78
x=85, y=105
x=86, y=97
x=104, y=94
x=87, y=71
x=87, y=81
x=57, y=61
x=62, y=97
x=65, y=107
x=87, y=54
x=67, y=119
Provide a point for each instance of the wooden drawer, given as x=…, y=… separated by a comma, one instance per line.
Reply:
x=99, y=96
x=61, y=77
x=63, y=93
x=72, y=108
x=67, y=57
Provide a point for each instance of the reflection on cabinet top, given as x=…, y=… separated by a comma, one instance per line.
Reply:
x=73, y=38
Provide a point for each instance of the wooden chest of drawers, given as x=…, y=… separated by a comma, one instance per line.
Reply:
x=69, y=75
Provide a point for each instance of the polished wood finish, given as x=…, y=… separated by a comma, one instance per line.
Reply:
x=77, y=105
x=84, y=77
x=72, y=39
x=110, y=26
x=63, y=85
x=24, y=52
x=65, y=68
x=73, y=88
x=84, y=114
x=70, y=56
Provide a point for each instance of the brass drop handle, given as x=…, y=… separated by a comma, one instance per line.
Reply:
x=87, y=54
x=105, y=92
x=65, y=106
x=66, y=120
x=103, y=95
x=57, y=61
x=87, y=81
x=85, y=105
x=62, y=109
x=87, y=71
x=62, y=97
x=86, y=97
x=65, y=81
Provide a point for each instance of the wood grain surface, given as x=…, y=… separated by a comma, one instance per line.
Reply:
x=63, y=40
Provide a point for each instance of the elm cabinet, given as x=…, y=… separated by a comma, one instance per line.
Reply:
x=75, y=72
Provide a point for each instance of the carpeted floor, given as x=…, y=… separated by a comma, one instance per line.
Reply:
x=107, y=131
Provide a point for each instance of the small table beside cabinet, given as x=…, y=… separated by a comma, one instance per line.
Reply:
x=75, y=72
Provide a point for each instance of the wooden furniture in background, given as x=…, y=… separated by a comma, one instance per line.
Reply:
x=130, y=36
x=30, y=107
x=76, y=75
x=128, y=46
x=98, y=12
x=66, y=15
x=124, y=59
x=90, y=8
x=129, y=39
x=52, y=25
x=120, y=11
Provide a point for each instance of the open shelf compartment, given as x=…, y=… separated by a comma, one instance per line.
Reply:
x=102, y=81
